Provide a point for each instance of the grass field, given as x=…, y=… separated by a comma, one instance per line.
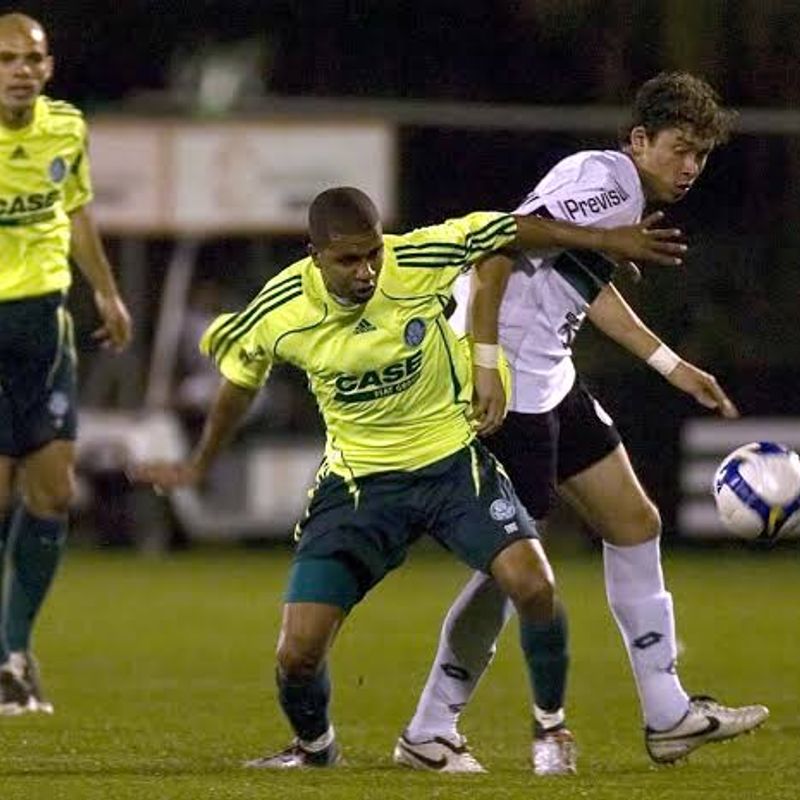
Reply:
x=161, y=675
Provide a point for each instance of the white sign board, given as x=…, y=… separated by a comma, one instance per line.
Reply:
x=232, y=177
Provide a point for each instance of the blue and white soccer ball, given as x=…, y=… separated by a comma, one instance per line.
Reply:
x=757, y=490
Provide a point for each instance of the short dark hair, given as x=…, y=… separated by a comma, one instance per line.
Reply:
x=679, y=100
x=341, y=210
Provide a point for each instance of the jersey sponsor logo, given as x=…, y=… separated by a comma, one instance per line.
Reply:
x=19, y=152
x=374, y=384
x=502, y=510
x=596, y=204
x=414, y=332
x=27, y=203
x=57, y=169
x=364, y=326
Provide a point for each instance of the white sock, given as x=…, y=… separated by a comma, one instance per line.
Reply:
x=643, y=610
x=467, y=644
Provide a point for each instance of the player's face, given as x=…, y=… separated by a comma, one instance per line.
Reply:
x=350, y=265
x=25, y=67
x=669, y=162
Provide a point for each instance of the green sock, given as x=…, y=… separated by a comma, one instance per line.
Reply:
x=547, y=657
x=35, y=546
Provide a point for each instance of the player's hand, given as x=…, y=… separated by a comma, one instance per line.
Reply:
x=488, y=402
x=643, y=242
x=165, y=475
x=115, y=332
x=704, y=388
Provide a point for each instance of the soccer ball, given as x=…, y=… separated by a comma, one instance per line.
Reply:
x=757, y=490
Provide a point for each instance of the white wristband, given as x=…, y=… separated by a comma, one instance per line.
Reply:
x=485, y=355
x=663, y=360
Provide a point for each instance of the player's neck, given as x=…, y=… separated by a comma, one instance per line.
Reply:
x=16, y=118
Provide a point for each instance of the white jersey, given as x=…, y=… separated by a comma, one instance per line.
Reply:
x=548, y=293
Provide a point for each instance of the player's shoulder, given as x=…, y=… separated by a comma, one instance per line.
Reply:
x=593, y=166
x=61, y=116
x=288, y=293
x=453, y=232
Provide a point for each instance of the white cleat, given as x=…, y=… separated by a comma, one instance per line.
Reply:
x=20, y=687
x=706, y=721
x=436, y=755
x=554, y=753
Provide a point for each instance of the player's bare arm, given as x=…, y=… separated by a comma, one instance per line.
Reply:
x=228, y=410
x=611, y=314
x=489, y=279
x=87, y=250
x=640, y=242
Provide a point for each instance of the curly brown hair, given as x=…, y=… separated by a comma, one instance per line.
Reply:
x=679, y=100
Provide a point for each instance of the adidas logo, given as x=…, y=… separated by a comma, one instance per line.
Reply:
x=364, y=326
x=19, y=152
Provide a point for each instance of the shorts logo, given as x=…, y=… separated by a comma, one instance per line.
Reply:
x=414, y=332
x=58, y=169
x=58, y=405
x=502, y=510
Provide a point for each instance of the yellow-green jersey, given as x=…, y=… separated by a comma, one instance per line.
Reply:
x=392, y=379
x=44, y=177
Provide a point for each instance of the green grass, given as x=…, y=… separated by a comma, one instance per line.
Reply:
x=161, y=675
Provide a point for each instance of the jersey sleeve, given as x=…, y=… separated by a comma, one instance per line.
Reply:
x=78, y=184
x=241, y=352
x=430, y=259
x=596, y=191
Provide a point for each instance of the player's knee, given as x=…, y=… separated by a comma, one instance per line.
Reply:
x=533, y=596
x=53, y=498
x=639, y=524
x=299, y=659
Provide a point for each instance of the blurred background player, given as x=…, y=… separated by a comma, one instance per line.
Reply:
x=44, y=220
x=557, y=434
x=363, y=317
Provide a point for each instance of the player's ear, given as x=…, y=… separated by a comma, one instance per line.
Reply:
x=638, y=139
x=49, y=65
x=313, y=253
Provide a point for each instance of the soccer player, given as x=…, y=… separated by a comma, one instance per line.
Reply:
x=44, y=220
x=557, y=434
x=362, y=315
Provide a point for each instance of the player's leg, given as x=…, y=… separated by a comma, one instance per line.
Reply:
x=526, y=445
x=467, y=644
x=41, y=387
x=609, y=496
x=36, y=541
x=14, y=693
x=344, y=549
x=482, y=520
x=304, y=688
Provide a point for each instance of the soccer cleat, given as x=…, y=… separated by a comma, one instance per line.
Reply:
x=554, y=752
x=16, y=696
x=436, y=755
x=295, y=756
x=32, y=675
x=705, y=721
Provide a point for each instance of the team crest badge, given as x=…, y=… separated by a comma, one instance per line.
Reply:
x=58, y=404
x=414, y=332
x=502, y=510
x=57, y=169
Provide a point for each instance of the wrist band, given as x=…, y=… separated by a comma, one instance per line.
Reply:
x=485, y=355
x=663, y=360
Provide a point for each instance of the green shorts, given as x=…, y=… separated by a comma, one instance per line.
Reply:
x=37, y=374
x=363, y=530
